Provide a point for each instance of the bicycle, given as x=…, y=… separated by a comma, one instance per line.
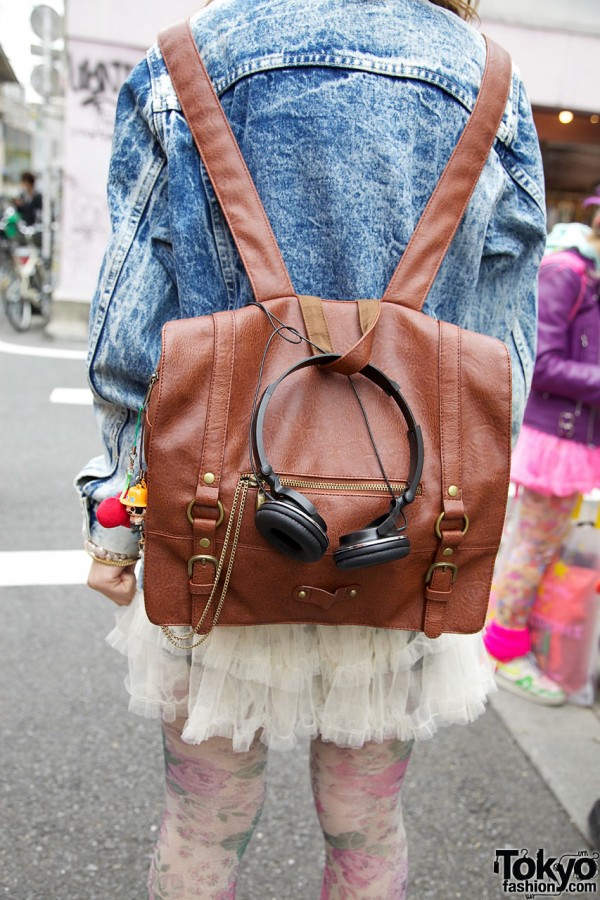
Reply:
x=25, y=286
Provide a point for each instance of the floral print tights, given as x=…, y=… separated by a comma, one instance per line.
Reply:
x=214, y=798
x=542, y=525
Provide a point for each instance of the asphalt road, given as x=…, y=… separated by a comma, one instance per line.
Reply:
x=81, y=778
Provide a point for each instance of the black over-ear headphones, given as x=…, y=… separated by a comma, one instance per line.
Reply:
x=290, y=522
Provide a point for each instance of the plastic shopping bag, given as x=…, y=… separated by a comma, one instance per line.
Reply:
x=564, y=621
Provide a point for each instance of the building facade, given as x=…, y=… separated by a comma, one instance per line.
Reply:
x=101, y=49
x=16, y=129
x=556, y=45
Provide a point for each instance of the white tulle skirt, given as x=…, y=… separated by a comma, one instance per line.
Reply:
x=347, y=684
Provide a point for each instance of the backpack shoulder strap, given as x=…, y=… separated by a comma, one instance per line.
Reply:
x=436, y=228
x=245, y=213
x=225, y=165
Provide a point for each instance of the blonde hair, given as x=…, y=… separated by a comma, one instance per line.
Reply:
x=466, y=9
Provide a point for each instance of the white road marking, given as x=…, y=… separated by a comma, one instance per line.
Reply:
x=47, y=352
x=32, y=568
x=77, y=396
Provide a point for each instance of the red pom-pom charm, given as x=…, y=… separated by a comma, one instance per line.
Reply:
x=111, y=513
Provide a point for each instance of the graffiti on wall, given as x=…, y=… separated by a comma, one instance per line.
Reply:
x=97, y=81
x=94, y=84
x=96, y=73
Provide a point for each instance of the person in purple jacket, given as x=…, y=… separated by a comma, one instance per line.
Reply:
x=557, y=456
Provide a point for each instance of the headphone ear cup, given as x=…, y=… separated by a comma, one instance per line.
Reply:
x=372, y=553
x=291, y=531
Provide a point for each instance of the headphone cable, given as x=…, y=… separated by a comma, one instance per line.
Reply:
x=279, y=329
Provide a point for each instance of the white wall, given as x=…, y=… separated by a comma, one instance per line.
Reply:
x=133, y=22
x=560, y=69
x=102, y=48
x=555, y=43
x=567, y=15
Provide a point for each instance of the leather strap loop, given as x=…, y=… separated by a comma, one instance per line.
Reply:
x=317, y=330
x=452, y=525
x=213, y=449
x=367, y=313
x=315, y=323
x=325, y=599
x=355, y=359
x=437, y=597
x=450, y=420
x=225, y=165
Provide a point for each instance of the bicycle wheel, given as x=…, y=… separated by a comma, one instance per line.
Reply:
x=16, y=307
x=45, y=305
x=41, y=283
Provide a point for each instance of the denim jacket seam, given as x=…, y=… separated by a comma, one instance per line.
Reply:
x=360, y=62
x=114, y=446
x=523, y=179
x=117, y=427
x=157, y=126
x=165, y=102
x=223, y=245
x=511, y=116
x=124, y=238
x=156, y=68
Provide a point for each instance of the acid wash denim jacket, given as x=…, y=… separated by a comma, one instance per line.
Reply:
x=346, y=112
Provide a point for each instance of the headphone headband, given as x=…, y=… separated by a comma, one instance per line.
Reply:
x=379, y=378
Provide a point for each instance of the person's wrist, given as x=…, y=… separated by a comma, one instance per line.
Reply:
x=108, y=557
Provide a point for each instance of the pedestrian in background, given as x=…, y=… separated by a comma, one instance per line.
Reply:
x=29, y=201
x=346, y=131
x=557, y=457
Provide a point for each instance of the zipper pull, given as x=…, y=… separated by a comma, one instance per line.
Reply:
x=153, y=380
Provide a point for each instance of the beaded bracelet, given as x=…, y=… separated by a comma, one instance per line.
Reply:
x=108, y=557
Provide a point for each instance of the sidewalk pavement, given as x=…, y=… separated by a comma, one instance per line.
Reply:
x=563, y=744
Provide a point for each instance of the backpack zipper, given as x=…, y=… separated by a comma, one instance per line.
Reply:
x=373, y=487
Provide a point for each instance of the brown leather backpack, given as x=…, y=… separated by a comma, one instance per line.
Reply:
x=334, y=433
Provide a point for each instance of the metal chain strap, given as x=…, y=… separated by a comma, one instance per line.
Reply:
x=178, y=640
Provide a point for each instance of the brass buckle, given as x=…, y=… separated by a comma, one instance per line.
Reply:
x=201, y=557
x=438, y=522
x=441, y=565
x=191, y=505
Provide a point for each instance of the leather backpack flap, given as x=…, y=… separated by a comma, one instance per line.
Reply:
x=458, y=384
x=204, y=555
x=264, y=583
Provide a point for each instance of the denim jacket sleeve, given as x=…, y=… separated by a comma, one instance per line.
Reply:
x=513, y=250
x=138, y=252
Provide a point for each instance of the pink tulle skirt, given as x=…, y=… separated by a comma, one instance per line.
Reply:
x=551, y=465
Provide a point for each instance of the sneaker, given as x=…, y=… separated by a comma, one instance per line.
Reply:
x=522, y=676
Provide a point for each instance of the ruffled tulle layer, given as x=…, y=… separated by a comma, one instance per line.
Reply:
x=347, y=684
x=551, y=465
